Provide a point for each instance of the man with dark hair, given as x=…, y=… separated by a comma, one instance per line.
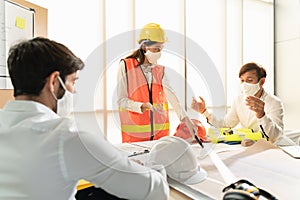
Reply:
x=254, y=109
x=43, y=155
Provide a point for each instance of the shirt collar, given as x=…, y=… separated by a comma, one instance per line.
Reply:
x=147, y=67
x=29, y=106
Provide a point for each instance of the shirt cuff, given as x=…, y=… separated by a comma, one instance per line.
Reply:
x=261, y=120
x=138, y=107
x=206, y=114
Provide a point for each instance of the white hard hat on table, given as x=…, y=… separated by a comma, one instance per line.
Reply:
x=178, y=158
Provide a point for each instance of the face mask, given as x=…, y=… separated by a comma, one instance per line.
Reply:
x=249, y=89
x=65, y=105
x=152, y=57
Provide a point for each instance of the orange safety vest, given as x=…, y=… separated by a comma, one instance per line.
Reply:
x=150, y=125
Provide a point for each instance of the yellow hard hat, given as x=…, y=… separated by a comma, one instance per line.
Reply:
x=152, y=32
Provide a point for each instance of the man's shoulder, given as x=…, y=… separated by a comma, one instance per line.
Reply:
x=272, y=97
x=43, y=124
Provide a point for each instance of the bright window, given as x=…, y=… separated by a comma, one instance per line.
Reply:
x=208, y=42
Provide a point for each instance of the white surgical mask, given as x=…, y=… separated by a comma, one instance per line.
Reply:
x=65, y=105
x=152, y=57
x=249, y=89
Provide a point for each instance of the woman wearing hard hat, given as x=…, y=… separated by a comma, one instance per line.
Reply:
x=144, y=91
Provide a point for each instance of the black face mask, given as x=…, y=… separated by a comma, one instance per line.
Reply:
x=244, y=190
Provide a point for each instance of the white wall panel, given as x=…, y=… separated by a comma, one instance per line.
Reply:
x=288, y=59
x=287, y=19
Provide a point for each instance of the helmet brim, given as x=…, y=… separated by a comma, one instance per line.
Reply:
x=200, y=176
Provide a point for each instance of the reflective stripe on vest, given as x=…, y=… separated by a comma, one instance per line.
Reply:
x=144, y=128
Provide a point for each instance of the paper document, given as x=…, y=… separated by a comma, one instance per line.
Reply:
x=293, y=151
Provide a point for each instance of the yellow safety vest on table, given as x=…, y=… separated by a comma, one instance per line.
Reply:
x=232, y=135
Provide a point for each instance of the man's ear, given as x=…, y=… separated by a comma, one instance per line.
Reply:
x=262, y=81
x=52, y=80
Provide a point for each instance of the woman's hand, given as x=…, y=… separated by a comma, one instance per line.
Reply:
x=190, y=125
x=146, y=106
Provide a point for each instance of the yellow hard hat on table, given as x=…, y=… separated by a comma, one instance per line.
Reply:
x=152, y=32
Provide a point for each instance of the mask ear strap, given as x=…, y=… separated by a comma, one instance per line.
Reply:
x=62, y=83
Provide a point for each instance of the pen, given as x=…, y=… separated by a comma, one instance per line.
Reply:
x=263, y=132
x=198, y=140
x=139, y=153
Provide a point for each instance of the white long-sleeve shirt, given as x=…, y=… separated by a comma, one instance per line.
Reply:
x=239, y=113
x=43, y=156
x=134, y=106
